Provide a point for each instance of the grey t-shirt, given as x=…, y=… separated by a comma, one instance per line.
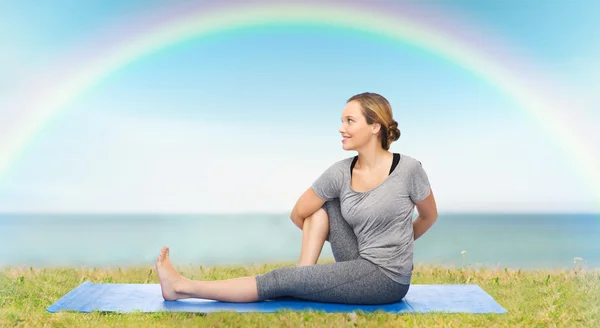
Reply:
x=382, y=216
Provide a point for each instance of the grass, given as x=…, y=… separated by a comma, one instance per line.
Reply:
x=544, y=298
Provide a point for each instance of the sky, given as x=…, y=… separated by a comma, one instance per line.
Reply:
x=245, y=121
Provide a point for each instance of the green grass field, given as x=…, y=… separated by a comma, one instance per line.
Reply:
x=545, y=298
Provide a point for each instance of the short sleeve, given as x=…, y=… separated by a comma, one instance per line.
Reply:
x=419, y=187
x=329, y=184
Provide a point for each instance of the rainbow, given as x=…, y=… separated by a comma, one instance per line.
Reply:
x=393, y=25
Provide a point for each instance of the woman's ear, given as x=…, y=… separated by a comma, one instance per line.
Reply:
x=376, y=128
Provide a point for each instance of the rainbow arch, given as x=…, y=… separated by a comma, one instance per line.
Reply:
x=207, y=21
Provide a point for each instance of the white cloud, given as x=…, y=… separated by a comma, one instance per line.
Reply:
x=129, y=164
x=159, y=165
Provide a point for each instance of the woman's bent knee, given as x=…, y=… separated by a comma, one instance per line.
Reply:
x=321, y=217
x=318, y=220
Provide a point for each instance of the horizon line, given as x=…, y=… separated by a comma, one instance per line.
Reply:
x=277, y=213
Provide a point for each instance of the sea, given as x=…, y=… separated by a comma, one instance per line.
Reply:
x=496, y=240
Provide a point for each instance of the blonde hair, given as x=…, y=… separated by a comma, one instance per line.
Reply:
x=377, y=109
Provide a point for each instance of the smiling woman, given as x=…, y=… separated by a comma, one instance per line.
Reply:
x=369, y=108
x=362, y=205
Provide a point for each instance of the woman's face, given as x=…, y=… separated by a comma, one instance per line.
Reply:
x=355, y=130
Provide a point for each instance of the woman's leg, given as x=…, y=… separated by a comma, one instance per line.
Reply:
x=353, y=282
x=344, y=244
x=175, y=287
x=350, y=282
x=328, y=224
x=314, y=233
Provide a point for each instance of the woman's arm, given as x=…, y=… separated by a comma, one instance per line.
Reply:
x=427, y=215
x=306, y=206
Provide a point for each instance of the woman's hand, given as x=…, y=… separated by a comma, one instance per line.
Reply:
x=427, y=215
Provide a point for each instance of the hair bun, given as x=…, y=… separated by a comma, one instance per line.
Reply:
x=393, y=132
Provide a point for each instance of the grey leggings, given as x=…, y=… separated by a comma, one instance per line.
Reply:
x=350, y=280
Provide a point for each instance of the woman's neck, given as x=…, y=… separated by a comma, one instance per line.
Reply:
x=374, y=159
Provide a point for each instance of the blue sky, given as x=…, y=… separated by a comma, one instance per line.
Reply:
x=246, y=121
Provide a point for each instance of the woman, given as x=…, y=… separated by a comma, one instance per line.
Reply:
x=362, y=205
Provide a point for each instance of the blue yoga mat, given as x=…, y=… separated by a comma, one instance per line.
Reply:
x=125, y=298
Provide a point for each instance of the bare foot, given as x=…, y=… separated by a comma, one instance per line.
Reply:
x=168, y=276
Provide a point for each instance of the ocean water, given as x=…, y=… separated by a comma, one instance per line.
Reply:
x=526, y=241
